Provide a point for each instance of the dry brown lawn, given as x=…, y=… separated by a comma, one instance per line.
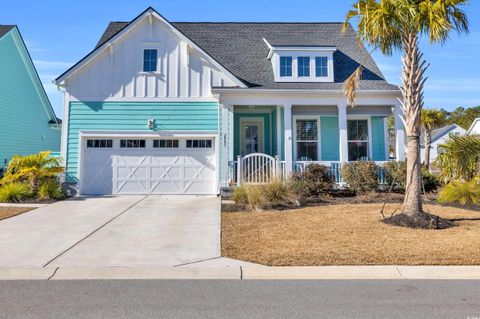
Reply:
x=346, y=234
x=6, y=212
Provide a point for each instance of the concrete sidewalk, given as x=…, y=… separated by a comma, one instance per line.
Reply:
x=247, y=273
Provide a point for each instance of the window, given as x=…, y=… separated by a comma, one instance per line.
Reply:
x=321, y=66
x=99, y=143
x=132, y=143
x=357, y=140
x=149, y=60
x=303, y=66
x=286, y=66
x=307, y=140
x=165, y=143
x=199, y=143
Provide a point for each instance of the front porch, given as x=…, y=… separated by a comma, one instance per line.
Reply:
x=296, y=136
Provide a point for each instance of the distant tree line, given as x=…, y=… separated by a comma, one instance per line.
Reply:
x=461, y=116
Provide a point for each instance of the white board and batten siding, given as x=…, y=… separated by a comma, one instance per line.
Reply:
x=117, y=73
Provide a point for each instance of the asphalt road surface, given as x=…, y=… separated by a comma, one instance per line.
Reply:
x=240, y=299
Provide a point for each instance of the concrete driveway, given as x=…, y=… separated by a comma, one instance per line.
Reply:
x=114, y=231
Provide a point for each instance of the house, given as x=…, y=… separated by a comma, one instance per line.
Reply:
x=474, y=128
x=27, y=122
x=440, y=136
x=159, y=107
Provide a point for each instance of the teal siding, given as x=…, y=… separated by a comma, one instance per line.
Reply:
x=133, y=116
x=330, y=138
x=24, y=107
x=378, y=139
x=274, y=132
x=266, y=131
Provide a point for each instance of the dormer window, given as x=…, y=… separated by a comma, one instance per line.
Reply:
x=285, y=66
x=303, y=66
x=301, y=63
x=150, y=57
x=321, y=66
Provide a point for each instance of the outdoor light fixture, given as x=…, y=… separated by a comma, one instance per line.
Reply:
x=151, y=123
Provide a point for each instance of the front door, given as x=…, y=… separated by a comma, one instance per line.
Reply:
x=251, y=136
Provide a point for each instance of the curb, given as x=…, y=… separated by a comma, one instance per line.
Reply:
x=246, y=273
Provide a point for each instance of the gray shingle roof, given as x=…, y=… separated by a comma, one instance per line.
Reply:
x=4, y=29
x=439, y=132
x=240, y=48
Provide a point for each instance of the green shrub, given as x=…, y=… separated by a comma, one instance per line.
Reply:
x=430, y=181
x=50, y=189
x=15, y=192
x=465, y=193
x=396, y=171
x=315, y=180
x=259, y=197
x=361, y=177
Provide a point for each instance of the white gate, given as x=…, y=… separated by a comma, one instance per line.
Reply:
x=257, y=168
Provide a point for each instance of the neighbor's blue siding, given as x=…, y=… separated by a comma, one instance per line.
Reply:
x=24, y=127
x=378, y=139
x=133, y=116
x=330, y=138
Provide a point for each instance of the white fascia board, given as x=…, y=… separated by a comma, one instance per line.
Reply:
x=132, y=25
x=396, y=93
x=472, y=126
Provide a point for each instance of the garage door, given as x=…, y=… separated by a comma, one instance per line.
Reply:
x=148, y=166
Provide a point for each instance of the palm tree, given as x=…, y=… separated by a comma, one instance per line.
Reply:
x=459, y=158
x=33, y=169
x=397, y=25
x=430, y=119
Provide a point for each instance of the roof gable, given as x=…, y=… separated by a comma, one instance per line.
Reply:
x=475, y=123
x=114, y=34
x=24, y=55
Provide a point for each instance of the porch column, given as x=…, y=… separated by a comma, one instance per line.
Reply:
x=342, y=126
x=399, y=133
x=287, y=122
x=279, y=131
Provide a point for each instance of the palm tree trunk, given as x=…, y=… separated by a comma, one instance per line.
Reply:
x=413, y=81
x=428, y=145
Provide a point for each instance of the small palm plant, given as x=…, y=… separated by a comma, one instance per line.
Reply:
x=33, y=169
x=459, y=158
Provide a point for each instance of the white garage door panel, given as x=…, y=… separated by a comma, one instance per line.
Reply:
x=149, y=170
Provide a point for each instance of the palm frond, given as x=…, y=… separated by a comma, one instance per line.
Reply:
x=350, y=86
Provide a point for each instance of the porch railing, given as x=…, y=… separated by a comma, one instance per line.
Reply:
x=251, y=173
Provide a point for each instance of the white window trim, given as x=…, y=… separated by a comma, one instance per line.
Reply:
x=151, y=46
x=295, y=140
x=295, y=54
x=369, y=121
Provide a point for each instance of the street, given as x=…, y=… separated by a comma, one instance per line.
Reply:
x=240, y=299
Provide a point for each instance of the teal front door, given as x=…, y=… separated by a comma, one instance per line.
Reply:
x=251, y=136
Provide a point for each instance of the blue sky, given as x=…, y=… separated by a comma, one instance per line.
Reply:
x=59, y=33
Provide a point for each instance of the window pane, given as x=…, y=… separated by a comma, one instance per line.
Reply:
x=89, y=143
x=307, y=151
x=358, y=130
x=307, y=130
x=321, y=66
x=304, y=66
x=285, y=66
x=150, y=60
x=358, y=151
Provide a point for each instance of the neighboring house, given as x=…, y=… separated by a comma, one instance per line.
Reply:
x=474, y=128
x=27, y=121
x=440, y=136
x=163, y=107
